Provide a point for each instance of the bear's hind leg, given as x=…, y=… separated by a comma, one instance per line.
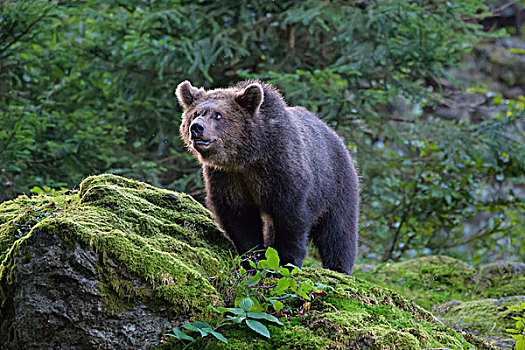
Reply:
x=335, y=235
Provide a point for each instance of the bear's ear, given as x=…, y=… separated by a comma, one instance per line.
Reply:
x=251, y=97
x=187, y=94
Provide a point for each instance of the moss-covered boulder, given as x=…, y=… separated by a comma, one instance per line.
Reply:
x=487, y=317
x=436, y=279
x=118, y=263
x=466, y=298
x=109, y=266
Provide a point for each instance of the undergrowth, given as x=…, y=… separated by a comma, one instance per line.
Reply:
x=258, y=292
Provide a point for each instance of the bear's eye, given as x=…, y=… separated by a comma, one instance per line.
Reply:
x=217, y=116
x=194, y=115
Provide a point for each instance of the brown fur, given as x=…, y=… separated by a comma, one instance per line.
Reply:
x=273, y=171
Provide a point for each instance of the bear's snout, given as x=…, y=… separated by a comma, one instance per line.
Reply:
x=197, y=130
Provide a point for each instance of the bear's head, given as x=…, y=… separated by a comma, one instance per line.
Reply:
x=218, y=125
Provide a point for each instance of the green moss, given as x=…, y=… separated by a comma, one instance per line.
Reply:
x=165, y=240
x=17, y=217
x=486, y=316
x=434, y=280
x=366, y=317
x=462, y=296
x=502, y=279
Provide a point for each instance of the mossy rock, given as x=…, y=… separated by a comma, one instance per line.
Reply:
x=487, y=317
x=434, y=280
x=506, y=65
x=502, y=279
x=365, y=316
x=427, y=281
x=467, y=298
x=81, y=267
x=118, y=263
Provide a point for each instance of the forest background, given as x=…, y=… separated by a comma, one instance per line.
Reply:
x=87, y=87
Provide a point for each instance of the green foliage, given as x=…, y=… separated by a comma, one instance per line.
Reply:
x=203, y=328
x=258, y=297
x=519, y=331
x=87, y=87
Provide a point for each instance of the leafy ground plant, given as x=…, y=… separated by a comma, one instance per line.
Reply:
x=519, y=331
x=264, y=291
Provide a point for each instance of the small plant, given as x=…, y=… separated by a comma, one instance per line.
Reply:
x=262, y=291
x=204, y=328
x=58, y=200
x=519, y=331
x=242, y=314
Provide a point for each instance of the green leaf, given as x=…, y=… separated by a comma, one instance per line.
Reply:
x=282, y=284
x=284, y=271
x=272, y=258
x=234, y=310
x=252, y=281
x=277, y=306
x=294, y=268
x=246, y=304
x=518, y=51
x=219, y=336
x=190, y=327
x=520, y=344
x=235, y=319
x=303, y=294
x=264, y=316
x=262, y=264
x=37, y=190
x=304, y=290
x=476, y=89
x=256, y=307
x=202, y=325
x=258, y=327
x=177, y=333
x=211, y=307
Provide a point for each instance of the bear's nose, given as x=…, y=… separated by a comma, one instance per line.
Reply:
x=197, y=129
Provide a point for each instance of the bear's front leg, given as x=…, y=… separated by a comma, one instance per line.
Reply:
x=242, y=224
x=291, y=236
x=234, y=210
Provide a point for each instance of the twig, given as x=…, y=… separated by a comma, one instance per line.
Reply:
x=18, y=37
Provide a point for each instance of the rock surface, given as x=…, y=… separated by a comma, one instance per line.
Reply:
x=108, y=267
x=463, y=297
x=118, y=263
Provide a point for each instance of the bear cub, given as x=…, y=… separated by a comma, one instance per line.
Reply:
x=273, y=171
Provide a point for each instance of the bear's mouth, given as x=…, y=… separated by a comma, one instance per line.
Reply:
x=201, y=143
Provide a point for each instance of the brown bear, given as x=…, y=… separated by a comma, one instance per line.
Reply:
x=273, y=171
